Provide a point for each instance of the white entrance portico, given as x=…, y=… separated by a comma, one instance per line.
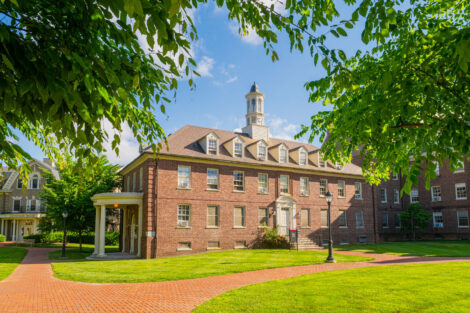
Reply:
x=285, y=214
x=121, y=200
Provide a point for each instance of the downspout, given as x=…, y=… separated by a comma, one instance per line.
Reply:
x=155, y=189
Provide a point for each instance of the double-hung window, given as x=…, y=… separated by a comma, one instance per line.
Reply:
x=305, y=218
x=384, y=220
x=359, y=219
x=282, y=155
x=19, y=183
x=213, y=216
x=262, y=152
x=212, y=146
x=239, y=216
x=263, y=216
x=304, y=186
x=237, y=150
x=284, y=184
x=436, y=193
x=212, y=178
x=16, y=205
x=323, y=187
x=462, y=219
x=438, y=221
x=341, y=189
x=262, y=183
x=321, y=162
x=302, y=158
x=238, y=181
x=383, y=195
x=342, y=220
x=184, y=177
x=460, y=191
x=184, y=215
x=358, y=191
x=396, y=196
x=414, y=195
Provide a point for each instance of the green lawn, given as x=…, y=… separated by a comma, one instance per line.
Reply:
x=9, y=260
x=192, y=266
x=437, y=287
x=459, y=248
x=76, y=254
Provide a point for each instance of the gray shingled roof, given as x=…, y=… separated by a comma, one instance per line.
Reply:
x=254, y=88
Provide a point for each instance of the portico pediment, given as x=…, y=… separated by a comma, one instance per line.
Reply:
x=286, y=199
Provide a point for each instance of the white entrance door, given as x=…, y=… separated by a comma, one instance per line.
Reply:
x=283, y=226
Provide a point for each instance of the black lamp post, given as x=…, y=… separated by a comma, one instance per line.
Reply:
x=64, y=215
x=330, y=258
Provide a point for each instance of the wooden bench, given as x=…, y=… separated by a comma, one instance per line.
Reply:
x=27, y=241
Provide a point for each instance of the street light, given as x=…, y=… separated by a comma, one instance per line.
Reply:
x=330, y=258
x=64, y=215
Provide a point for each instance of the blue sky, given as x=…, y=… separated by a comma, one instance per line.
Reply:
x=229, y=64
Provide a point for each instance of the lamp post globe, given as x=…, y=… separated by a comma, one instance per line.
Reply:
x=65, y=214
x=330, y=258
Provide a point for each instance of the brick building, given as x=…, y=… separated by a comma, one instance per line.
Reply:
x=20, y=205
x=447, y=201
x=217, y=189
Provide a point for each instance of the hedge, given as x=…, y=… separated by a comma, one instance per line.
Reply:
x=2, y=238
x=111, y=238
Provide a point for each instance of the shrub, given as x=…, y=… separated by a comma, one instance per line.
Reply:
x=2, y=238
x=111, y=239
x=272, y=240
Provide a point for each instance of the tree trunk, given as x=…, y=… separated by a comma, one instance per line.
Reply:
x=80, y=239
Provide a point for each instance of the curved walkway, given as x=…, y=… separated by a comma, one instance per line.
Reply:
x=32, y=287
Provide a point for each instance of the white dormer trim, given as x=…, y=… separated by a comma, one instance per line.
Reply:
x=230, y=146
x=264, y=144
x=30, y=180
x=204, y=143
x=295, y=155
x=283, y=147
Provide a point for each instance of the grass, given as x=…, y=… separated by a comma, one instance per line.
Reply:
x=437, y=287
x=9, y=260
x=75, y=254
x=459, y=248
x=192, y=266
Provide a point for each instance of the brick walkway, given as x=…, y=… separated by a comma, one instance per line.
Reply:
x=32, y=287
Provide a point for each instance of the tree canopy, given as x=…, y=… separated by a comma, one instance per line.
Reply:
x=78, y=182
x=69, y=66
x=414, y=219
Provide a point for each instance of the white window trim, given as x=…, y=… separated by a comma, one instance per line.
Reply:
x=241, y=144
x=209, y=138
x=302, y=150
x=362, y=218
x=17, y=181
x=380, y=195
x=345, y=218
x=458, y=220
x=394, y=176
x=243, y=216
x=265, y=152
x=207, y=178
x=267, y=183
x=411, y=196
x=307, y=192
x=13, y=204
x=434, y=224
x=397, y=200
x=344, y=189
x=288, y=185
x=243, y=181
x=283, y=148
x=459, y=185
x=320, y=160
x=432, y=194
x=178, y=176
x=460, y=170
x=360, y=191
x=326, y=186
x=218, y=217
x=177, y=214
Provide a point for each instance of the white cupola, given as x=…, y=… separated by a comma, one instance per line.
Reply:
x=255, y=127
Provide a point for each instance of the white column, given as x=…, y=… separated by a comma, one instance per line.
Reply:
x=13, y=236
x=3, y=225
x=97, y=231
x=35, y=226
x=123, y=230
x=139, y=235
x=294, y=217
x=102, y=229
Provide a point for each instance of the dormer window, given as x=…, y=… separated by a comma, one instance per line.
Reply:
x=34, y=182
x=212, y=146
x=321, y=162
x=282, y=155
x=302, y=157
x=339, y=166
x=262, y=152
x=237, y=150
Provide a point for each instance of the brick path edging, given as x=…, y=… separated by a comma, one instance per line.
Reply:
x=33, y=288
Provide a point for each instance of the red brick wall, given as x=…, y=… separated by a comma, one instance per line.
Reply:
x=168, y=198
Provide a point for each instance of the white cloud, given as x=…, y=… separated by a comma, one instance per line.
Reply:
x=281, y=128
x=205, y=66
x=232, y=79
x=128, y=148
x=250, y=37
